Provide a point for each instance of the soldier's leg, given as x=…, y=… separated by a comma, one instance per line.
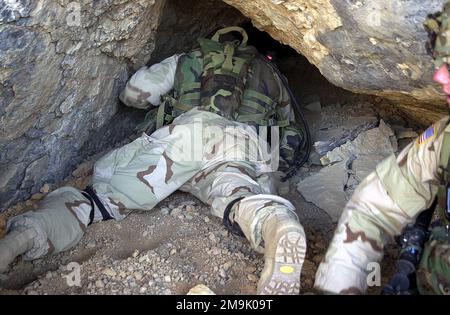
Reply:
x=433, y=274
x=383, y=204
x=267, y=221
x=142, y=173
x=57, y=225
x=134, y=177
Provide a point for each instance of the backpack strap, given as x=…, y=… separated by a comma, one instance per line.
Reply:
x=230, y=29
x=161, y=115
x=169, y=110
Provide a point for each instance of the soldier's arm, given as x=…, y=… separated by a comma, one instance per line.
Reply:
x=383, y=204
x=148, y=84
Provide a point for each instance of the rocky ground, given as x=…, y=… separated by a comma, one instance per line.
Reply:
x=166, y=251
x=176, y=246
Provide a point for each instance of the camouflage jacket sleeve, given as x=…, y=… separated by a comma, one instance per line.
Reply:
x=383, y=204
x=148, y=84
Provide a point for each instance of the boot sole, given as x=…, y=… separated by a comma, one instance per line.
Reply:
x=285, y=275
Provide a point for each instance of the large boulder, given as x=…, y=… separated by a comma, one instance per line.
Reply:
x=366, y=46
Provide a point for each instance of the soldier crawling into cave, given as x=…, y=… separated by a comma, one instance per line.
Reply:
x=225, y=86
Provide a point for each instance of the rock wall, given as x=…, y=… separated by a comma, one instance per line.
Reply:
x=365, y=46
x=62, y=66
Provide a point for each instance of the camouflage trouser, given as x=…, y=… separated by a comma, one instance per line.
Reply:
x=139, y=175
x=433, y=275
x=383, y=204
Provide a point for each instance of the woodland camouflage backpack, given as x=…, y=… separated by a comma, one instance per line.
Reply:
x=233, y=80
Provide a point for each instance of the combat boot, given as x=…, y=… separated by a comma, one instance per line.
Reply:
x=16, y=242
x=285, y=249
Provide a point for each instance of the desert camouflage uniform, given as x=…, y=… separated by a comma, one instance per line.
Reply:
x=142, y=173
x=383, y=204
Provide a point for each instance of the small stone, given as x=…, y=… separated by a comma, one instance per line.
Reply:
x=212, y=237
x=91, y=244
x=176, y=212
x=48, y=275
x=37, y=196
x=200, y=289
x=250, y=269
x=190, y=209
x=45, y=189
x=138, y=276
x=215, y=251
x=143, y=290
x=145, y=234
x=28, y=203
x=373, y=41
x=252, y=277
x=227, y=265
x=207, y=220
x=173, y=252
x=222, y=273
x=189, y=217
x=165, y=211
x=144, y=258
x=109, y=272
x=99, y=284
x=135, y=253
x=20, y=207
x=167, y=279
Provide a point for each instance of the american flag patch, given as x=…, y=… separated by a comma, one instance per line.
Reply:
x=428, y=134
